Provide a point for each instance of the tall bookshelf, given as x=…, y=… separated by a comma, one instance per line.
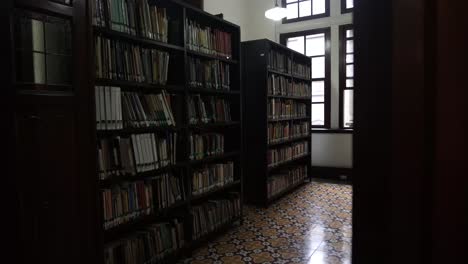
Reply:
x=272, y=133
x=180, y=92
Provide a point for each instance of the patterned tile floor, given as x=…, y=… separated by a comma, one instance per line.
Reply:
x=311, y=225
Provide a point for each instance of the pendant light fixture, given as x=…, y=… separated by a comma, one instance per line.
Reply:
x=276, y=13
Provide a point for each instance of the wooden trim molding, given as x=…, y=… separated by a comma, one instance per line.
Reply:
x=332, y=173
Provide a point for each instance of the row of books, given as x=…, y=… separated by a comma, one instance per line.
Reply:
x=208, y=40
x=135, y=17
x=205, y=145
x=117, y=110
x=281, y=131
x=212, y=177
x=278, y=61
x=284, y=179
x=283, y=154
x=280, y=108
x=208, y=109
x=301, y=70
x=149, y=244
x=210, y=74
x=280, y=85
x=147, y=110
x=125, y=156
x=118, y=60
x=213, y=214
x=126, y=202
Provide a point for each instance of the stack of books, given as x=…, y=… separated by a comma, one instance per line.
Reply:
x=207, y=40
x=151, y=244
x=283, y=154
x=212, y=177
x=205, y=145
x=282, y=180
x=280, y=108
x=124, y=156
x=209, y=74
x=208, y=109
x=213, y=214
x=134, y=17
x=119, y=60
x=278, y=61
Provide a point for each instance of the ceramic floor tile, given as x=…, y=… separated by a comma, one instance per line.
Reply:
x=311, y=225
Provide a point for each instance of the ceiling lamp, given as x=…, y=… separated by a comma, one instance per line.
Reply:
x=276, y=13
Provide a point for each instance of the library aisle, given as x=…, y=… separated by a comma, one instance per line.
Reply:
x=311, y=225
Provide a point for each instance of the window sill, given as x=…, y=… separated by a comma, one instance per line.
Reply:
x=331, y=131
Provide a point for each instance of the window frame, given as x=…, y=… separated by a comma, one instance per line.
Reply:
x=345, y=10
x=327, y=100
x=305, y=18
x=343, y=64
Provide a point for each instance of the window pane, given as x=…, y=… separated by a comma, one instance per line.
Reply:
x=348, y=108
x=58, y=35
x=318, y=91
x=319, y=7
x=315, y=45
x=349, y=83
x=30, y=67
x=318, y=114
x=349, y=3
x=349, y=33
x=292, y=11
x=349, y=58
x=296, y=44
x=58, y=69
x=349, y=46
x=350, y=70
x=291, y=1
x=29, y=34
x=305, y=8
x=318, y=67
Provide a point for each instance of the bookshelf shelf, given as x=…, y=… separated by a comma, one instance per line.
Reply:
x=212, y=91
x=127, y=228
x=263, y=86
x=141, y=130
x=274, y=144
x=285, y=74
x=211, y=159
x=290, y=97
x=172, y=63
x=288, y=119
x=138, y=176
x=136, y=39
x=210, y=236
x=285, y=191
x=287, y=163
x=302, y=78
x=214, y=125
x=136, y=86
x=211, y=56
x=204, y=195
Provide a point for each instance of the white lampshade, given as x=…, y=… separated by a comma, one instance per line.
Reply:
x=276, y=13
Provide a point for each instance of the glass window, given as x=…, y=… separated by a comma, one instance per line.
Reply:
x=347, y=6
x=315, y=45
x=318, y=91
x=306, y=9
x=43, y=50
x=346, y=76
x=318, y=115
x=318, y=67
x=296, y=43
x=348, y=108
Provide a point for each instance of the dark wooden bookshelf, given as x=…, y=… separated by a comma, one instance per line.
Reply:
x=256, y=71
x=178, y=84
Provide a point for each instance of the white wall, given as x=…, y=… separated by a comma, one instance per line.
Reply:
x=329, y=150
x=233, y=10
